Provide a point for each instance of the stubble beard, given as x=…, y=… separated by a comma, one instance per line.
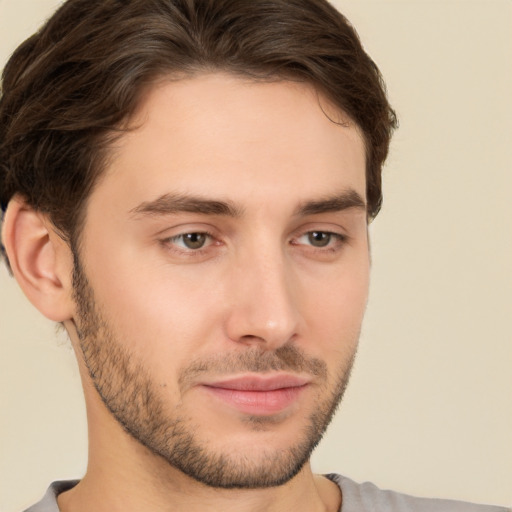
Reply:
x=130, y=394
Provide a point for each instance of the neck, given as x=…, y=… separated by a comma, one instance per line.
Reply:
x=104, y=491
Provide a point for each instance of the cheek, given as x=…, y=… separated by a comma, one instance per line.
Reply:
x=151, y=309
x=335, y=311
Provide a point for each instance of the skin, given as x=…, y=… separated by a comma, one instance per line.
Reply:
x=261, y=285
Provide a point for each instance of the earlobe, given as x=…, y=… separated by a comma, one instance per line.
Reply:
x=40, y=260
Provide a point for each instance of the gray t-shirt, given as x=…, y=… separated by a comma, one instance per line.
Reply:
x=364, y=497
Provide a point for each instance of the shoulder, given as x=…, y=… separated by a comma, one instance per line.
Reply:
x=49, y=501
x=366, y=497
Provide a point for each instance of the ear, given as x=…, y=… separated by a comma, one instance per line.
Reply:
x=40, y=260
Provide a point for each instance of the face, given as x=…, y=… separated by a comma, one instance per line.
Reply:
x=223, y=275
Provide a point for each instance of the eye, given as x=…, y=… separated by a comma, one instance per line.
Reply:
x=190, y=241
x=321, y=239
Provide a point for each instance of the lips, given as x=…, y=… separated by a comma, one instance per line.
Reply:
x=259, y=395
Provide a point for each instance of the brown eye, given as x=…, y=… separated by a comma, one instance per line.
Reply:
x=319, y=238
x=194, y=240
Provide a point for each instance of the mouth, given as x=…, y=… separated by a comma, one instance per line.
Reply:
x=259, y=395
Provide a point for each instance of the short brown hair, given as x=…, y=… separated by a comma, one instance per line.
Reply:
x=68, y=88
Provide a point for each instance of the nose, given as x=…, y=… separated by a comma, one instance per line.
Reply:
x=263, y=309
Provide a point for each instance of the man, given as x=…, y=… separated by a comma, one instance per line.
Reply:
x=187, y=187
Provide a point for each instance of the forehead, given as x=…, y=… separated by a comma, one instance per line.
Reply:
x=225, y=136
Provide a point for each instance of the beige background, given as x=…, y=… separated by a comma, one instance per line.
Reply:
x=429, y=409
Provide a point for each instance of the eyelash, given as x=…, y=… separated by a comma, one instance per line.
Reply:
x=335, y=243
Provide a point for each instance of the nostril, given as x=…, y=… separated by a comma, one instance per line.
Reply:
x=250, y=339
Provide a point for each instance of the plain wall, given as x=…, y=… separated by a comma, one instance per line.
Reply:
x=429, y=408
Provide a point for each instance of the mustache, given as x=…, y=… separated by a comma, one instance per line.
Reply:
x=255, y=360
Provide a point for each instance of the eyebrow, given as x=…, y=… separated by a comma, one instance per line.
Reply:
x=348, y=199
x=168, y=204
